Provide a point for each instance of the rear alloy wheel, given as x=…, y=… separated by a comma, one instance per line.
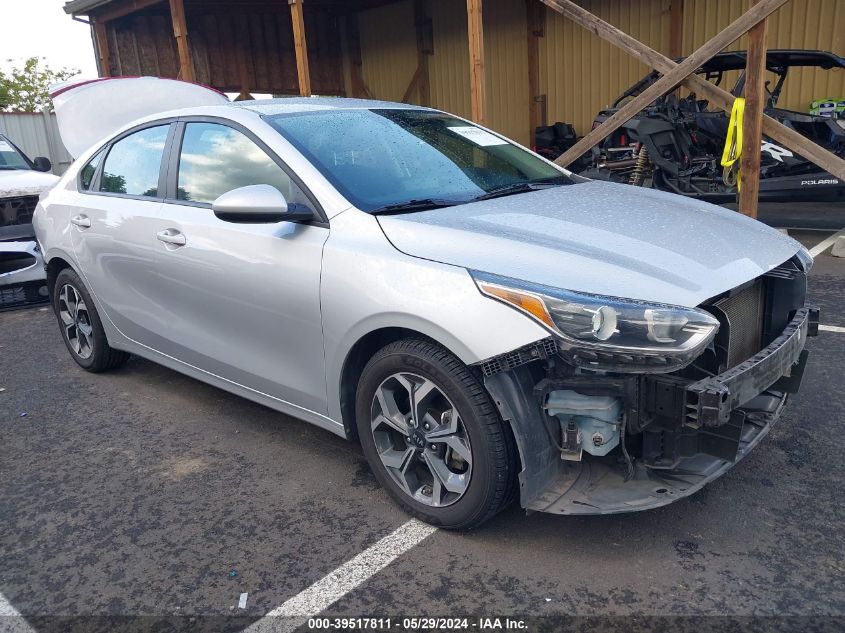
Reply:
x=76, y=320
x=432, y=435
x=82, y=330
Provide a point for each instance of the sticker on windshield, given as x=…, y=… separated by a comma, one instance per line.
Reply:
x=478, y=136
x=5, y=147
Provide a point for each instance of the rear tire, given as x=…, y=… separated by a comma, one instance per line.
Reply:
x=81, y=327
x=433, y=437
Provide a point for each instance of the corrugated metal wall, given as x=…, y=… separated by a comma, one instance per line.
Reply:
x=506, y=52
x=37, y=135
x=449, y=66
x=142, y=43
x=812, y=24
x=388, y=49
x=580, y=73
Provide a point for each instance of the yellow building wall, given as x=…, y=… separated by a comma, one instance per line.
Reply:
x=810, y=24
x=388, y=49
x=579, y=72
x=448, y=68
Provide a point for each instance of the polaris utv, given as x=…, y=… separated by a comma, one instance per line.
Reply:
x=676, y=143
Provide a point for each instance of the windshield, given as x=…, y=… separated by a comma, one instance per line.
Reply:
x=384, y=159
x=10, y=157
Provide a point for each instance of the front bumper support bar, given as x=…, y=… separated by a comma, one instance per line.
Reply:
x=710, y=401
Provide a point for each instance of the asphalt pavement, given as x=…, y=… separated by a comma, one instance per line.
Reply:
x=145, y=493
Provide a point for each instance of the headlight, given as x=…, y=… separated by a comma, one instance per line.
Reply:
x=609, y=333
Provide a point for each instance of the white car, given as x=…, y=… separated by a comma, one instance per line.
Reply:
x=486, y=324
x=22, y=181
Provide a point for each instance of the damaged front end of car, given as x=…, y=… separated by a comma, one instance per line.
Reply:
x=629, y=405
x=22, y=277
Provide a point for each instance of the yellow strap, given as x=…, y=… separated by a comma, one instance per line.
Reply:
x=733, y=145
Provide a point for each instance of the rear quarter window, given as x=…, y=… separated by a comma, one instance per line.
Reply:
x=133, y=163
x=86, y=174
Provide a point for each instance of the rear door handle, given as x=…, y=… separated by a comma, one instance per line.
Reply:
x=82, y=221
x=171, y=236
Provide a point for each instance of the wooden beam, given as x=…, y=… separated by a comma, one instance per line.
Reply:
x=535, y=19
x=477, y=83
x=672, y=78
x=717, y=96
x=422, y=24
x=120, y=9
x=353, y=51
x=752, y=133
x=180, y=31
x=676, y=28
x=301, y=47
x=415, y=82
x=101, y=37
x=241, y=38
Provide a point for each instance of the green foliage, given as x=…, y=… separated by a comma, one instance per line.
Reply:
x=112, y=183
x=26, y=89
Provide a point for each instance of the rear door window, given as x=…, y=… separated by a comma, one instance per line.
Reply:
x=216, y=159
x=133, y=164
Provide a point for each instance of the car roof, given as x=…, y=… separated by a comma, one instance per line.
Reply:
x=293, y=105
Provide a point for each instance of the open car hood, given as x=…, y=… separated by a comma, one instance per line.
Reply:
x=599, y=238
x=90, y=110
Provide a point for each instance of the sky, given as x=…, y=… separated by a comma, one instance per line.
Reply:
x=40, y=28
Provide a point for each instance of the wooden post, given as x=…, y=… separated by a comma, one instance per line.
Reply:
x=101, y=36
x=301, y=47
x=477, y=82
x=535, y=15
x=180, y=31
x=421, y=22
x=752, y=132
x=672, y=78
x=413, y=85
x=719, y=97
x=353, y=50
x=676, y=28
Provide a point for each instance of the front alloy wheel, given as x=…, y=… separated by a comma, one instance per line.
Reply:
x=421, y=439
x=433, y=436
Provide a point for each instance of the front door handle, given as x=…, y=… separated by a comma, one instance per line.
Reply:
x=82, y=221
x=171, y=236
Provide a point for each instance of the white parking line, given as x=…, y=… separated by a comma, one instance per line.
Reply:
x=18, y=624
x=822, y=246
x=6, y=608
x=832, y=328
x=331, y=588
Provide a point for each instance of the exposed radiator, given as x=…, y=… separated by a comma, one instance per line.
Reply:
x=744, y=313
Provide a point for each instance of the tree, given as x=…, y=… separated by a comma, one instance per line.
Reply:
x=26, y=89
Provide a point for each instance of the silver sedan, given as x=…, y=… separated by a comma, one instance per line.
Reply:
x=489, y=326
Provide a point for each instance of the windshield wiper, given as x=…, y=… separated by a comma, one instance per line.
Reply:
x=410, y=206
x=517, y=187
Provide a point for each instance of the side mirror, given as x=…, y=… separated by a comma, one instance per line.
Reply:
x=42, y=163
x=258, y=204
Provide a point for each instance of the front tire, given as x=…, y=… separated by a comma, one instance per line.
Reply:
x=433, y=437
x=79, y=322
